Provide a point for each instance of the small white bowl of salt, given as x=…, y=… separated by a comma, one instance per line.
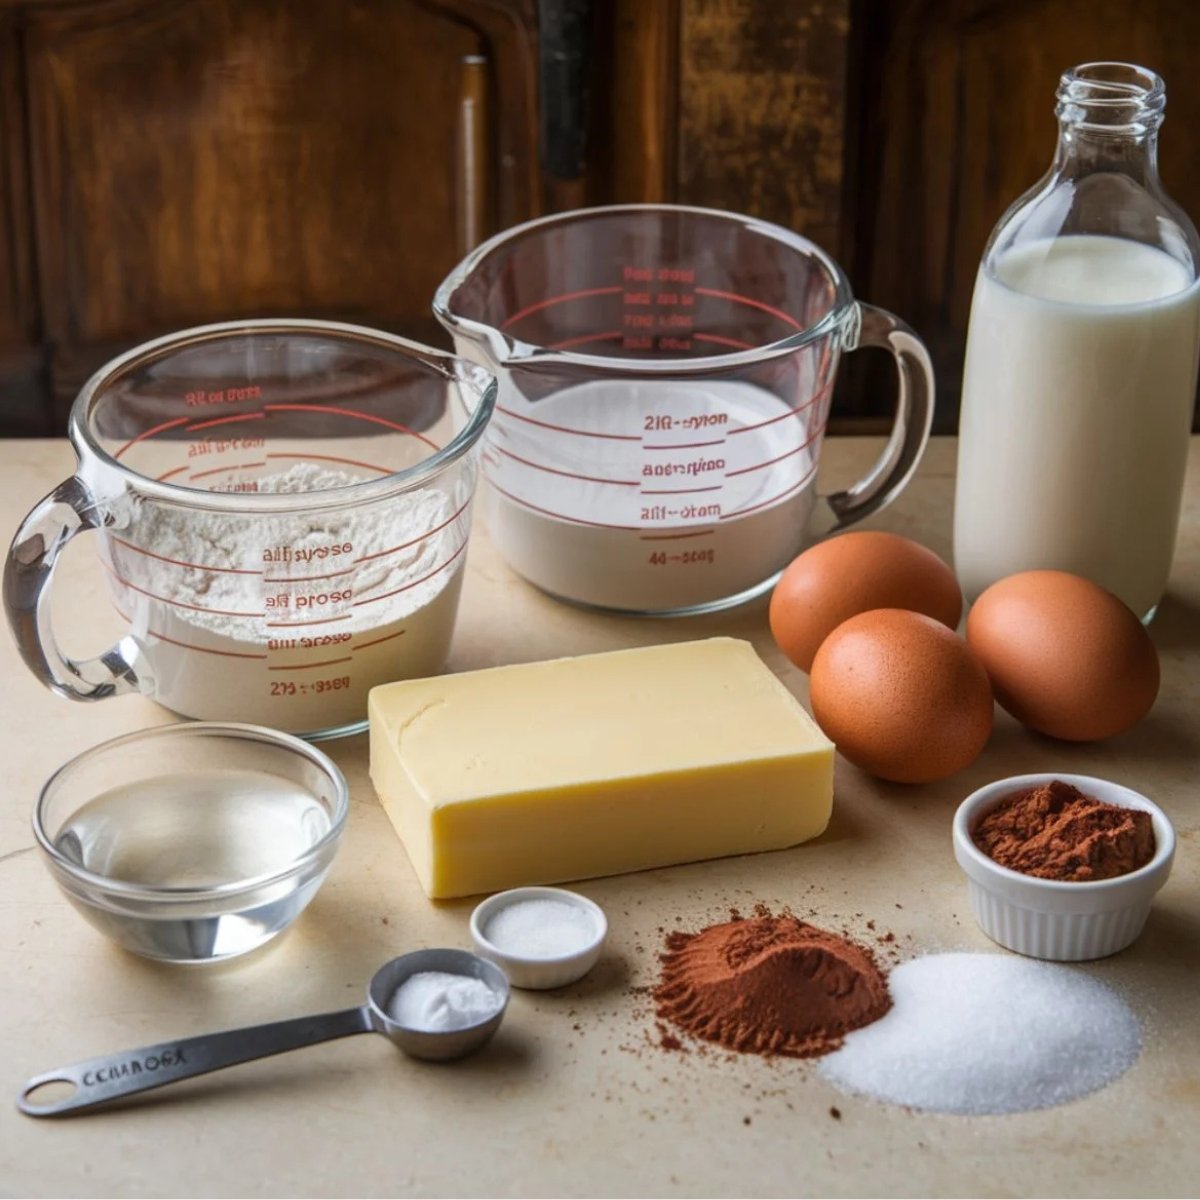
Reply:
x=540, y=937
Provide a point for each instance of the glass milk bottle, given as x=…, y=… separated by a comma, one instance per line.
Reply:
x=1081, y=359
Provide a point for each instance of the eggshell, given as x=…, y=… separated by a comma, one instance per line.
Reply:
x=854, y=573
x=1065, y=657
x=901, y=695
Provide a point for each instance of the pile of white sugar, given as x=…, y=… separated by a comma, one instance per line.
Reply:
x=541, y=929
x=988, y=1033
x=439, y=1002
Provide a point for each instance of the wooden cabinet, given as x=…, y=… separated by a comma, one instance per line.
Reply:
x=170, y=162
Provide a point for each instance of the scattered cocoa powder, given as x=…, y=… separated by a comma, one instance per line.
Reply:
x=768, y=984
x=1056, y=832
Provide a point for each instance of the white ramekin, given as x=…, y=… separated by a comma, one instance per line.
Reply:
x=1050, y=918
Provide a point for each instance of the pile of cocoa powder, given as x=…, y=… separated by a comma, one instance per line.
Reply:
x=1057, y=832
x=769, y=984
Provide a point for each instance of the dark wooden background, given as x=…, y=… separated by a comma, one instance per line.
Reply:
x=169, y=162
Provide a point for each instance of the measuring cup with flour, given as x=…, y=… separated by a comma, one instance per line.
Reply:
x=664, y=382
x=283, y=510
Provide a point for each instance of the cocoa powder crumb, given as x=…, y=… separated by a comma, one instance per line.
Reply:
x=1055, y=831
x=835, y=1112
x=770, y=985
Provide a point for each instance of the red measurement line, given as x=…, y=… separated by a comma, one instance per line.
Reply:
x=773, y=500
x=388, y=638
x=581, y=295
x=718, y=340
x=686, y=445
x=549, y=512
x=350, y=412
x=179, y=562
x=151, y=432
x=349, y=462
x=305, y=578
x=567, y=474
x=222, y=470
x=176, y=603
x=750, y=302
x=612, y=437
x=302, y=624
x=252, y=416
x=820, y=394
x=415, y=541
x=413, y=583
x=584, y=338
x=329, y=662
x=162, y=637
x=679, y=491
x=173, y=471
x=771, y=461
x=672, y=537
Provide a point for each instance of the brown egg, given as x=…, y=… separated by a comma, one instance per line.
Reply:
x=854, y=573
x=1065, y=657
x=902, y=696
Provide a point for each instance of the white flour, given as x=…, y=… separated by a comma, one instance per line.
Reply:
x=288, y=619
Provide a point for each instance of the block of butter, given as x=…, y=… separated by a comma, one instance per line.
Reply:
x=551, y=771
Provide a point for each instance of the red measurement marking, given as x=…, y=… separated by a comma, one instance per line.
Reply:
x=567, y=474
x=413, y=583
x=584, y=338
x=222, y=470
x=750, y=302
x=773, y=500
x=179, y=562
x=350, y=412
x=612, y=437
x=162, y=637
x=349, y=462
x=176, y=603
x=253, y=416
x=771, y=461
x=151, y=432
x=549, y=512
x=304, y=578
x=718, y=340
x=388, y=638
x=686, y=445
x=415, y=541
x=672, y=537
x=679, y=491
x=302, y=624
x=173, y=471
x=541, y=304
x=820, y=394
x=329, y=662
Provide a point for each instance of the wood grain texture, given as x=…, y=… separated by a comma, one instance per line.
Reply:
x=762, y=110
x=957, y=120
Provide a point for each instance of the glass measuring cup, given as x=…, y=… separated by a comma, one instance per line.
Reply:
x=283, y=510
x=664, y=382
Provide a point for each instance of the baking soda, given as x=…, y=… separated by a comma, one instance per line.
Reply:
x=215, y=601
x=541, y=929
x=988, y=1033
x=438, y=1002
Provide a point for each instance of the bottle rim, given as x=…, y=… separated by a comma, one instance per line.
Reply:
x=1114, y=97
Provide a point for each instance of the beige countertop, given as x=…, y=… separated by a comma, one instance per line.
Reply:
x=573, y=1096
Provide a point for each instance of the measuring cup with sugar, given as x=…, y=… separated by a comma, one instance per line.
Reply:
x=664, y=382
x=283, y=510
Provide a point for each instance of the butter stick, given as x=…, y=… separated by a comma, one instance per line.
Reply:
x=578, y=767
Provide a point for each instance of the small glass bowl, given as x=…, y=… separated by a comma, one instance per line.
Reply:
x=192, y=842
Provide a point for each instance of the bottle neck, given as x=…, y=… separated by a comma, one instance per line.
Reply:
x=1082, y=150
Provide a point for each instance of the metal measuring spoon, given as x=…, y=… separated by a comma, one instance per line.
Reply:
x=99, y=1080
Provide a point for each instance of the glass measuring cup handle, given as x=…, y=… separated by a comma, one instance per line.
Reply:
x=69, y=509
x=99, y=1080
x=910, y=429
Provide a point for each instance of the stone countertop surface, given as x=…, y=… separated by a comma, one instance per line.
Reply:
x=575, y=1096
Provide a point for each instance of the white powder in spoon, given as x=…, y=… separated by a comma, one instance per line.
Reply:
x=988, y=1033
x=438, y=1002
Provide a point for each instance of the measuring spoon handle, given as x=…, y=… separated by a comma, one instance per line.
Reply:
x=101, y=1079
